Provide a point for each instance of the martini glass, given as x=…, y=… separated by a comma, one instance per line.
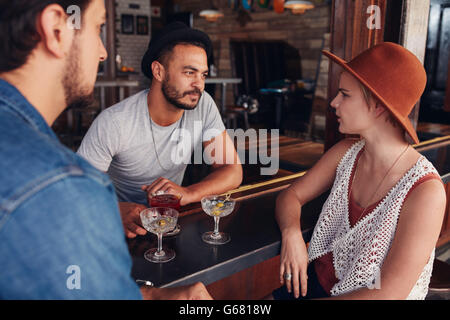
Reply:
x=217, y=207
x=168, y=200
x=159, y=220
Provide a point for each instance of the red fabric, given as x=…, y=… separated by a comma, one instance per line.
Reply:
x=324, y=265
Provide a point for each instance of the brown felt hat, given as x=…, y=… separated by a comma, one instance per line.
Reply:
x=393, y=74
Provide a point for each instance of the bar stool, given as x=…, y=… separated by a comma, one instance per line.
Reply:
x=232, y=113
x=440, y=280
x=230, y=120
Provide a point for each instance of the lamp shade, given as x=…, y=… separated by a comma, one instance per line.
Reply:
x=211, y=15
x=298, y=7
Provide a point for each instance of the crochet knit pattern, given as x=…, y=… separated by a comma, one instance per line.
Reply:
x=359, y=251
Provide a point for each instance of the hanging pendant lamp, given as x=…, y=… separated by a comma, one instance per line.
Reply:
x=211, y=15
x=298, y=7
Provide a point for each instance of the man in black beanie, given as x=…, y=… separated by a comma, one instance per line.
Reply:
x=145, y=142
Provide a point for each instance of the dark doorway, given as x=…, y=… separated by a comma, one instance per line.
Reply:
x=259, y=63
x=432, y=108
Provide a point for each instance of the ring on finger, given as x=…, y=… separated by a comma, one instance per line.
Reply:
x=287, y=276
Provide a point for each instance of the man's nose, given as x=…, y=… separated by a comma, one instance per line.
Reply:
x=199, y=82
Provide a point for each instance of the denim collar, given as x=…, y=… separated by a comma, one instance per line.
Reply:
x=16, y=102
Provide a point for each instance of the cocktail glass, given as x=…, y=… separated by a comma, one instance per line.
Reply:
x=159, y=220
x=217, y=206
x=167, y=200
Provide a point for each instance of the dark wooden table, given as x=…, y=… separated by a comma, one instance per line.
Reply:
x=255, y=237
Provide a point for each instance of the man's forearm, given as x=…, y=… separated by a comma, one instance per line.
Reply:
x=222, y=179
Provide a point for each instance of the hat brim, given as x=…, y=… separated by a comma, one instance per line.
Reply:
x=405, y=122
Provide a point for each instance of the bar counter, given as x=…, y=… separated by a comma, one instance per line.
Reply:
x=255, y=236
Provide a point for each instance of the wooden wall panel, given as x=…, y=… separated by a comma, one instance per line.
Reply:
x=447, y=91
x=250, y=284
x=413, y=36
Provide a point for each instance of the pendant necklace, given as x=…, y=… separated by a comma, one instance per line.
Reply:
x=154, y=144
x=379, y=185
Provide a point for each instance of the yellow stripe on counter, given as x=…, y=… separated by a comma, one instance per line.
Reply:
x=265, y=183
x=296, y=175
x=427, y=142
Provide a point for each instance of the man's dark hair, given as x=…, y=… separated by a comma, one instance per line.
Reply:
x=166, y=52
x=18, y=33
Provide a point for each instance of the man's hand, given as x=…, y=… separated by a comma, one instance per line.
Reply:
x=163, y=184
x=196, y=291
x=131, y=219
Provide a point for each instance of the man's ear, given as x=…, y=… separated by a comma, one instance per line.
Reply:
x=55, y=34
x=158, y=71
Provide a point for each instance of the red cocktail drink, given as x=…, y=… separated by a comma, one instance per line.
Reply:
x=165, y=200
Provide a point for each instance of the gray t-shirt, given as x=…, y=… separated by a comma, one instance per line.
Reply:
x=120, y=143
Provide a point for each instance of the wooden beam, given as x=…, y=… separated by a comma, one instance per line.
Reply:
x=447, y=91
x=110, y=45
x=110, y=71
x=413, y=36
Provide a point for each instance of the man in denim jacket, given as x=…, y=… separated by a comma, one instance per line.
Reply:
x=61, y=236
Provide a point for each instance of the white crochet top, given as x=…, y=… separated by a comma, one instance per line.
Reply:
x=359, y=251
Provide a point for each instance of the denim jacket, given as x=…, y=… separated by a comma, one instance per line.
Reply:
x=61, y=235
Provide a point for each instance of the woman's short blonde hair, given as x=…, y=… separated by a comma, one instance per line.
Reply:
x=368, y=96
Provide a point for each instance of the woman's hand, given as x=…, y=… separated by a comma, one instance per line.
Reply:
x=294, y=261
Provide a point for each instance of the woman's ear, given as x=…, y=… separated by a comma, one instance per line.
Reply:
x=158, y=71
x=379, y=109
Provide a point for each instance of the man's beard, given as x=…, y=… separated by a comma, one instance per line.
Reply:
x=76, y=95
x=173, y=96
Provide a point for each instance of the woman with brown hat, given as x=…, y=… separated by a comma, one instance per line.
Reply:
x=377, y=231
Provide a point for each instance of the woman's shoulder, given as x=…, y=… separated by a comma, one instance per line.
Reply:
x=335, y=155
x=427, y=196
x=345, y=144
x=429, y=188
x=343, y=147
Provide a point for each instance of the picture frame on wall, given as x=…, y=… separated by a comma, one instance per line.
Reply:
x=127, y=23
x=142, y=25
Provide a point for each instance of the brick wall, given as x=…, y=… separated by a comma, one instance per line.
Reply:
x=131, y=47
x=304, y=32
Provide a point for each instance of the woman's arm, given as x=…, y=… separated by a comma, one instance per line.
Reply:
x=318, y=179
x=417, y=232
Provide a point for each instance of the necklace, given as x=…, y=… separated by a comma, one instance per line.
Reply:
x=154, y=144
x=382, y=180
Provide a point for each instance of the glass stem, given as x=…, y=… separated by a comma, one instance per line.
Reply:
x=216, y=226
x=160, y=252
